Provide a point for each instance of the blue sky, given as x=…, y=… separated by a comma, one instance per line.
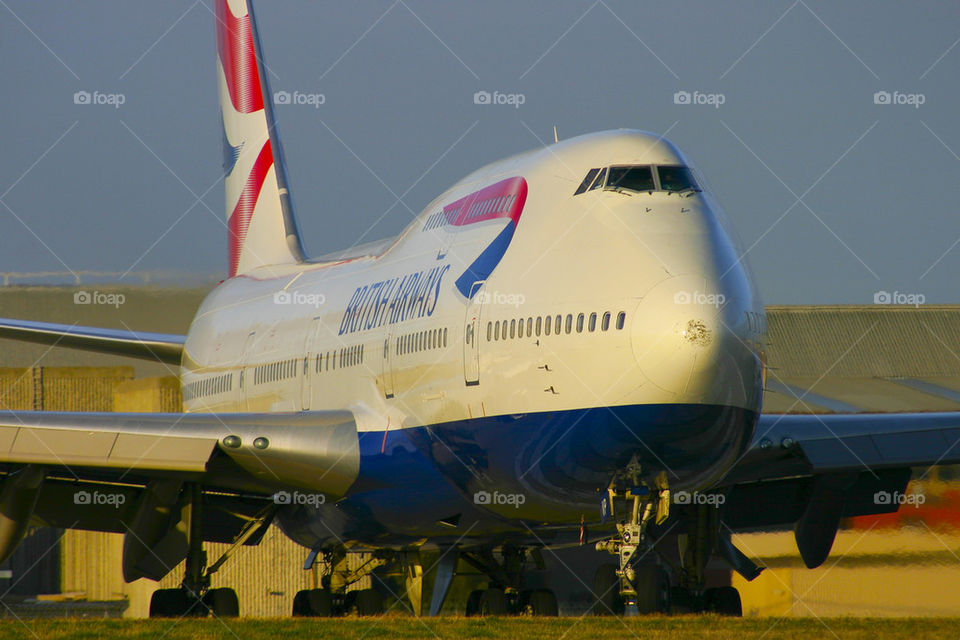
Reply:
x=835, y=196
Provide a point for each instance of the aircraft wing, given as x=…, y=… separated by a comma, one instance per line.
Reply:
x=129, y=473
x=812, y=470
x=164, y=347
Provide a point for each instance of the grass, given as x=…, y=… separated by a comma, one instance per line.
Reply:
x=707, y=627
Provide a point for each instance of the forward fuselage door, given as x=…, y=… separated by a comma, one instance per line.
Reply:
x=471, y=336
x=386, y=367
x=245, y=377
x=309, y=363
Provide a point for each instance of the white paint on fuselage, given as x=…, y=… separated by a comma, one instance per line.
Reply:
x=597, y=252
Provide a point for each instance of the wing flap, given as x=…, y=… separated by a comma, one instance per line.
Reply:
x=317, y=451
x=164, y=347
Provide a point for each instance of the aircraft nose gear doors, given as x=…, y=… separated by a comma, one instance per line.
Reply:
x=644, y=588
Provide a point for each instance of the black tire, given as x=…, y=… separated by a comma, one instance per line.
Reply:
x=543, y=603
x=606, y=591
x=169, y=603
x=493, y=602
x=473, y=602
x=682, y=601
x=725, y=601
x=319, y=603
x=653, y=590
x=301, y=608
x=222, y=602
x=369, y=602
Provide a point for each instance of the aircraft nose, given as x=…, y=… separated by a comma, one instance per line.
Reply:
x=683, y=341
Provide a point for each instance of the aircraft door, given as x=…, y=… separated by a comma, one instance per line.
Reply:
x=386, y=367
x=471, y=336
x=245, y=379
x=308, y=364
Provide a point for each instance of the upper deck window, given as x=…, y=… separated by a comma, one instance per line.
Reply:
x=676, y=178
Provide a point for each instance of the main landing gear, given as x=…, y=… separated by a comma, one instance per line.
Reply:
x=194, y=597
x=332, y=598
x=504, y=595
x=640, y=583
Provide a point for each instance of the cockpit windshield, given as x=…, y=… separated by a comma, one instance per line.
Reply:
x=676, y=179
x=633, y=178
x=639, y=178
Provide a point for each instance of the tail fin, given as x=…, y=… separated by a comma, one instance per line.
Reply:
x=260, y=220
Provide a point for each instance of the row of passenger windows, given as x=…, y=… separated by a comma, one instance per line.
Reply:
x=639, y=178
x=530, y=327
x=491, y=205
x=345, y=357
x=421, y=341
x=275, y=371
x=209, y=386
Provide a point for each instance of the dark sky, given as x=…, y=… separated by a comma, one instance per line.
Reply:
x=837, y=197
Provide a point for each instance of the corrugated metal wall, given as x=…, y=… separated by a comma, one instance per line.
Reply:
x=859, y=341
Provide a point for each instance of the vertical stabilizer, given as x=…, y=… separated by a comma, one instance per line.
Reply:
x=261, y=224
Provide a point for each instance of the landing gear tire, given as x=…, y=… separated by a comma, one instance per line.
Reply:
x=222, y=603
x=369, y=602
x=493, y=602
x=543, y=603
x=313, y=603
x=653, y=590
x=473, y=603
x=170, y=603
x=606, y=591
x=724, y=600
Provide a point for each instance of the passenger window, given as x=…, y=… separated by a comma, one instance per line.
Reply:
x=593, y=322
x=529, y=327
x=569, y=326
x=489, y=331
x=444, y=336
x=587, y=181
x=580, y=323
x=606, y=321
x=546, y=325
x=621, y=319
x=557, y=324
x=539, y=325
x=513, y=327
x=496, y=331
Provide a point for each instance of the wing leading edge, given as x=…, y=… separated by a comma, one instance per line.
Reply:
x=164, y=347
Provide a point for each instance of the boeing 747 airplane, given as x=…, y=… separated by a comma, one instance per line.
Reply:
x=563, y=348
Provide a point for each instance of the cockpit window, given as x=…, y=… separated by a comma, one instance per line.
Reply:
x=587, y=181
x=633, y=178
x=598, y=183
x=676, y=179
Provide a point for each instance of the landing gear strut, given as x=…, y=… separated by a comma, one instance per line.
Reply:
x=643, y=587
x=194, y=597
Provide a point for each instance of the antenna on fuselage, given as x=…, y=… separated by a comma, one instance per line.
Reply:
x=555, y=138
